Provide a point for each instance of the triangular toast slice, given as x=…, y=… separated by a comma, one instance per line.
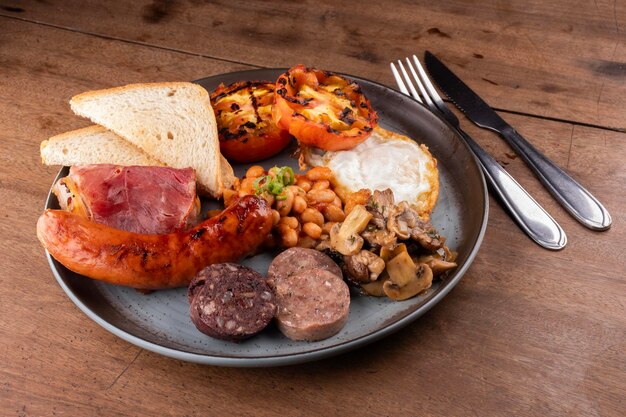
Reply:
x=98, y=145
x=172, y=122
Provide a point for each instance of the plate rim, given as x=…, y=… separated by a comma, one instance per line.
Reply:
x=290, y=358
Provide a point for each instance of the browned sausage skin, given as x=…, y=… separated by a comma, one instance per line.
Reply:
x=154, y=261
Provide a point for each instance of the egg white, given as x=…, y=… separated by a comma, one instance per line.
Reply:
x=384, y=160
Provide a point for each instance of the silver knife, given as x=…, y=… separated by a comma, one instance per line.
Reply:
x=573, y=197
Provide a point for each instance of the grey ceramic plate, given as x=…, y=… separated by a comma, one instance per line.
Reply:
x=160, y=321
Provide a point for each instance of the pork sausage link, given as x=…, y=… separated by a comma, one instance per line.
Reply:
x=154, y=261
x=312, y=305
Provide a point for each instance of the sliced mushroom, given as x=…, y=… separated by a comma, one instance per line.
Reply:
x=426, y=235
x=379, y=238
x=406, y=280
x=387, y=253
x=380, y=205
x=437, y=262
x=345, y=238
x=375, y=288
x=365, y=266
x=439, y=266
x=402, y=220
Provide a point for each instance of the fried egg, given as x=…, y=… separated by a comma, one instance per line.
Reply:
x=384, y=160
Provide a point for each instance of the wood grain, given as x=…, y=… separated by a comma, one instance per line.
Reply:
x=526, y=332
x=559, y=59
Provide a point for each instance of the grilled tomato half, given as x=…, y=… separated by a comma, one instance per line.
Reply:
x=322, y=109
x=243, y=111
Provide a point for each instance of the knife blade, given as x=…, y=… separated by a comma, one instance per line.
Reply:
x=579, y=202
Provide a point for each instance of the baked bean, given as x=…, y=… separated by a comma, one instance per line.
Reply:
x=269, y=198
x=288, y=236
x=275, y=217
x=304, y=184
x=320, y=196
x=297, y=190
x=247, y=186
x=306, y=242
x=333, y=213
x=319, y=173
x=311, y=215
x=255, y=171
x=321, y=185
x=284, y=206
x=327, y=226
x=299, y=204
x=289, y=221
x=337, y=202
x=312, y=229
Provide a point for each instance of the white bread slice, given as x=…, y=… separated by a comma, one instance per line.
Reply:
x=98, y=145
x=92, y=145
x=172, y=122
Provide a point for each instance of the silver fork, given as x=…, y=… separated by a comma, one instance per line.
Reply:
x=528, y=214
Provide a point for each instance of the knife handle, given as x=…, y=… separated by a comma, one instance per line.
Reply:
x=572, y=196
x=528, y=214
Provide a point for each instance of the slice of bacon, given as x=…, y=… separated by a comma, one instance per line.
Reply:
x=139, y=199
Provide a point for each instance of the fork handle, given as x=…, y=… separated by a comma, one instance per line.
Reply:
x=528, y=214
x=572, y=196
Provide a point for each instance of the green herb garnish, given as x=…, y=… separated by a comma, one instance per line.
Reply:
x=275, y=182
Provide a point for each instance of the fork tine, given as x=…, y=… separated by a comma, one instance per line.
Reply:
x=420, y=86
x=432, y=91
x=414, y=93
x=398, y=78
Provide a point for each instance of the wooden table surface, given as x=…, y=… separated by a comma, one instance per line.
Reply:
x=527, y=332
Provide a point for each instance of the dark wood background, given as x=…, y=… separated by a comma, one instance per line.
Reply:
x=527, y=332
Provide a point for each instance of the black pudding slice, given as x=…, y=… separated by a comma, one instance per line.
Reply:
x=230, y=302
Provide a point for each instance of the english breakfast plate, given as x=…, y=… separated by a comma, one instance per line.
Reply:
x=160, y=321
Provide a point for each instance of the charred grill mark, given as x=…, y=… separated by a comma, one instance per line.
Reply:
x=238, y=86
x=346, y=116
x=255, y=106
x=114, y=249
x=226, y=134
x=295, y=100
x=197, y=234
x=144, y=259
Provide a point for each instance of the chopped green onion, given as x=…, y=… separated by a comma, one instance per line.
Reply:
x=275, y=184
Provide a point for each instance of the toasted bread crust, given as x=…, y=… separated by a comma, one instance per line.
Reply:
x=172, y=122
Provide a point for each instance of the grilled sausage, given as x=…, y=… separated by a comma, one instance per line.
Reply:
x=230, y=302
x=311, y=305
x=154, y=261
